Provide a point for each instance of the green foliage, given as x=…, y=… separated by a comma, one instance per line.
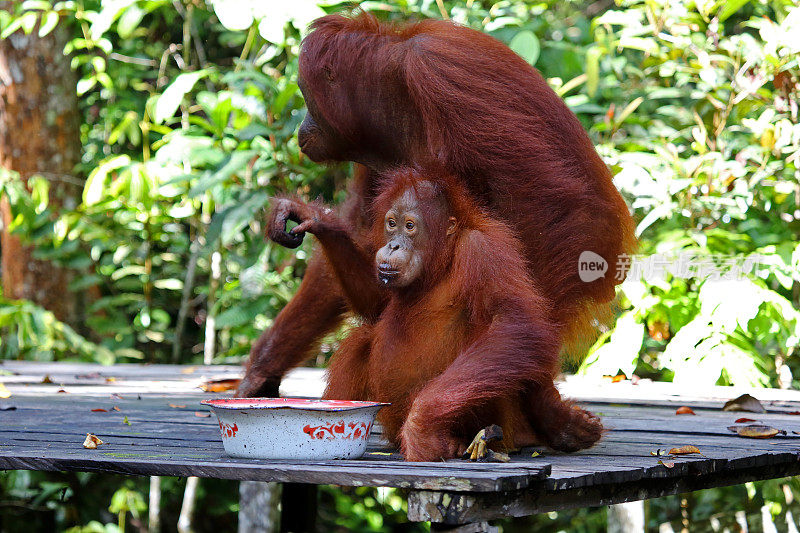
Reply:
x=364, y=509
x=706, y=146
x=190, y=110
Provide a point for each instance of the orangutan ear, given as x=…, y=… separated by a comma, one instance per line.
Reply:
x=451, y=225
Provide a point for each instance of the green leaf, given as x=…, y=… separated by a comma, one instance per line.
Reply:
x=173, y=284
x=170, y=100
x=592, y=70
x=630, y=108
x=730, y=7
x=94, y=189
x=11, y=28
x=49, y=22
x=85, y=85
x=42, y=5
x=526, y=44
x=284, y=96
x=241, y=216
x=129, y=21
x=107, y=15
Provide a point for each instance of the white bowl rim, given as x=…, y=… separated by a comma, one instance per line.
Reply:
x=300, y=404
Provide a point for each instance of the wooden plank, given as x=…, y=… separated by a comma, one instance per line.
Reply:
x=46, y=430
x=423, y=476
x=310, y=379
x=459, y=508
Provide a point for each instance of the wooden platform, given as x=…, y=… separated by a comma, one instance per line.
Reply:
x=161, y=429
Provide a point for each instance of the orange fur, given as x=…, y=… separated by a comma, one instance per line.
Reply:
x=442, y=96
x=472, y=344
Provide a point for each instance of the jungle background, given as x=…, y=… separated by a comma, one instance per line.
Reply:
x=140, y=158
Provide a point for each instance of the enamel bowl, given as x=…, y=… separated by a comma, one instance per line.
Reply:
x=294, y=428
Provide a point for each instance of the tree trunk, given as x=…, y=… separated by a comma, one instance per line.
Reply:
x=39, y=134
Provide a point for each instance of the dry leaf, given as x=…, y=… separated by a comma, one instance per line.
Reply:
x=745, y=402
x=126, y=421
x=202, y=414
x=116, y=396
x=189, y=370
x=4, y=392
x=220, y=385
x=792, y=413
x=115, y=408
x=62, y=391
x=743, y=420
x=111, y=380
x=684, y=411
x=618, y=378
x=668, y=465
x=535, y=454
x=685, y=450
x=92, y=441
x=658, y=453
x=756, y=431
x=99, y=410
x=380, y=453
x=47, y=379
x=175, y=406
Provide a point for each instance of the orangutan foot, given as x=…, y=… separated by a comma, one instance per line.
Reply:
x=578, y=430
x=479, y=450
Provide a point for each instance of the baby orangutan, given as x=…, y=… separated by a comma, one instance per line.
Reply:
x=455, y=334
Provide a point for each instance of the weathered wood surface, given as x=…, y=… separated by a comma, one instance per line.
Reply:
x=157, y=431
x=46, y=430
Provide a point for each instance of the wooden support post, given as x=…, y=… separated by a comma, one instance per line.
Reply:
x=298, y=508
x=258, y=507
x=626, y=517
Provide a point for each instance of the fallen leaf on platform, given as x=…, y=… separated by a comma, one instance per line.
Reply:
x=684, y=411
x=62, y=391
x=92, y=441
x=379, y=453
x=175, y=406
x=618, y=378
x=126, y=421
x=111, y=379
x=756, y=431
x=99, y=410
x=745, y=402
x=220, y=385
x=47, y=379
x=535, y=454
x=116, y=396
x=115, y=408
x=4, y=392
x=668, y=465
x=658, y=453
x=8, y=407
x=201, y=414
x=685, y=450
x=743, y=420
x=189, y=370
x=792, y=413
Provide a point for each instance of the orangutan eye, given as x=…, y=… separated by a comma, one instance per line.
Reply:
x=391, y=223
x=409, y=225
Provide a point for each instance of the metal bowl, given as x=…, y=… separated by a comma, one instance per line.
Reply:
x=294, y=428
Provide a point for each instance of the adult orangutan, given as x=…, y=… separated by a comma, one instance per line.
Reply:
x=465, y=339
x=439, y=95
